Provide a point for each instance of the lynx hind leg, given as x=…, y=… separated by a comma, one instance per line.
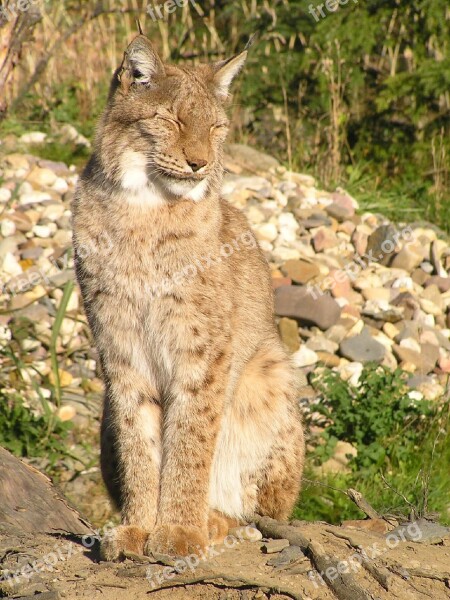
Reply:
x=281, y=476
x=259, y=455
x=279, y=479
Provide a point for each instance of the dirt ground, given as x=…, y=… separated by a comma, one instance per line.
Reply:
x=61, y=566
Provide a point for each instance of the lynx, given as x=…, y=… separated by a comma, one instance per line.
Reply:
x=200, y=426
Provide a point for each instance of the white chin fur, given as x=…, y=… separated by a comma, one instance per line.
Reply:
x=187, y=190
x=140, y=191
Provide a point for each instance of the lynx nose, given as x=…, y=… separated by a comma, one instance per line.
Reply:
x=197, y=164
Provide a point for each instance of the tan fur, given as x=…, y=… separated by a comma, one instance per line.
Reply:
x=200, y=420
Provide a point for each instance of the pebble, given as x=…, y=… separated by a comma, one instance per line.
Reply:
x=304, y=357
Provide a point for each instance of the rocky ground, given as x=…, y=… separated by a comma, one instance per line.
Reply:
x=305, y=561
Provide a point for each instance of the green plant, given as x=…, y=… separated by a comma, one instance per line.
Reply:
x=25, y=434
x=377, y=416
x=398, y=440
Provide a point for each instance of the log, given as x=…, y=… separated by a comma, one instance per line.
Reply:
x=29, y=501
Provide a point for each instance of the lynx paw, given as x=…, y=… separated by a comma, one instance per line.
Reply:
x=121, y=538
x=177, y=540
x=219, y=526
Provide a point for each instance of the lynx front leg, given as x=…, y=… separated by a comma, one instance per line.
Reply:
x=131, y=457
x=191, y=426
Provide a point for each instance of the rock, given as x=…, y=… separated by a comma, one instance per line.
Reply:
x=408, y=258
x=282, y=254
x=247, y=532
x=5, y=195
x=280, y=281
x=34, y=137
x=314, y=221
x=322, y=344
x=41, y=177
x=433, y=294
x=342, y=287
x=421, y=531
x=287, y=556
x=376, y=294
x=339, y=212
x=34, y=198
x=431, y=390
x=289, y=333
x=381, y=245
x=251, y=159
x=65, y=378
x=344, y=199
x=11, y=265
x=68, y=134
x=306, y=306
x=362, y=348
x=411, y=344
x=301, y=271
x=267, y=232
x=17, y=162
x=324, y=240
x=420, y=277
x=351, y=372
x=442, y=283
x=273, y=546
x=7, y=227
x=343, y=453
x=66, y=413
x=329, y=360
x=42, y=231
x=391, y=330
x=423, y=360
x=360, y=241
x=304, y=357
x=435, y=259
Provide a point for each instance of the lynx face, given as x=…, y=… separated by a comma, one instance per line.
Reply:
x=163, y=131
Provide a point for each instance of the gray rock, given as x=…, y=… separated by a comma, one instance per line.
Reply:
x=250, y=158
x=308, y=306
x=420, y=531
x=362, y=348
x=380, y=244
x=286, y=557
x=339, y=212
x=274, y=546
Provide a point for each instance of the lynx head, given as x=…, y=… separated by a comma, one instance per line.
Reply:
x=164, y=126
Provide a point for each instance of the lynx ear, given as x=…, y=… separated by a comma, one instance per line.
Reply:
x=141, y=64
x=225, y=72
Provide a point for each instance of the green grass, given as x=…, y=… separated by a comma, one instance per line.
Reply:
x=403, y=448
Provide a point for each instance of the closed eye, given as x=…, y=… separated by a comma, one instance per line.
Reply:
x=170, y=120
x=219, y=125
